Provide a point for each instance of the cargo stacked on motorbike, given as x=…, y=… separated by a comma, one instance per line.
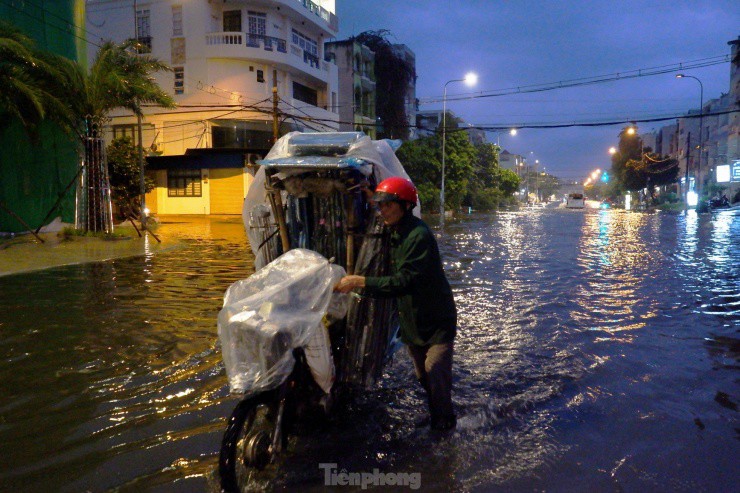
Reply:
x=308, y=203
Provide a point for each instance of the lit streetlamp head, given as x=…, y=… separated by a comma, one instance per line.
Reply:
x=471, y=79
x=512, y=131
x=612, y=150
x=630, y=130
x=680, y=76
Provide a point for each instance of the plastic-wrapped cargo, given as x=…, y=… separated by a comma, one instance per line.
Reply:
x=297, y=152
x=274, y=311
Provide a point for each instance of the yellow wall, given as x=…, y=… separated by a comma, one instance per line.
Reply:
x=223, y=191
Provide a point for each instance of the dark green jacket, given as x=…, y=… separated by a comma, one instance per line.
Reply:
x=425, y=303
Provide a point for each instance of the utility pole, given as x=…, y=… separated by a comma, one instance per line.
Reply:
x=274, y=194
x=142, y=184
x=686, y=177
x=275, y=122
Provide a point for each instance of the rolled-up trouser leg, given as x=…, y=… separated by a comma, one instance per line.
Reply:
x=433, y=366
x=418, y=357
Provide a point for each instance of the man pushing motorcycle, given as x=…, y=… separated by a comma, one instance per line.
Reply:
x=426, y=307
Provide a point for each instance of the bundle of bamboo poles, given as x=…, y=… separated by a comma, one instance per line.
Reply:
x=370, y=321
x=267, y=232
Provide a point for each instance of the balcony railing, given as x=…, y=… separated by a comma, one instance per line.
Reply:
x=269, y=43
x=311, y=59
x=319, y=11
x=215, y=39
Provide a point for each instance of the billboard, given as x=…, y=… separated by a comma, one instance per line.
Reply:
x=729, y=172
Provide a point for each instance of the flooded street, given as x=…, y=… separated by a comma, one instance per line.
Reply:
x=597, y=351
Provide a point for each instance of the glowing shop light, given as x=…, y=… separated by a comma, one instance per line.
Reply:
x=692, y=199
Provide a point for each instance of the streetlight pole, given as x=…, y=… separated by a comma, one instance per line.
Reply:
x=470, y=79
x=701, y=124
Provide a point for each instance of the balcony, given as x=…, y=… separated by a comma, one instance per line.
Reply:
x=268, y=43
x=310, y=59
x=267, y=49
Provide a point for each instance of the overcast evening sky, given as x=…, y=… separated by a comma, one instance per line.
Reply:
x=525, y=42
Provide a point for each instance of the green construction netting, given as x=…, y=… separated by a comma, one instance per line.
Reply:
x=33, y=175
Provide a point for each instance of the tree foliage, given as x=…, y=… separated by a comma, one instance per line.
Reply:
x=39, y=85
x=635, y=167
x=473, y=176
x=125, y=176
x=26, y=77
x=393, y=74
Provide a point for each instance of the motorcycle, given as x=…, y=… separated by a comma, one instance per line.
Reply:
x=293, y=349
x=719, y=202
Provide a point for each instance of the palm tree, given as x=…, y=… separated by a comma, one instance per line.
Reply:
x=39, y=85
x=118, y=78
x=23, y=73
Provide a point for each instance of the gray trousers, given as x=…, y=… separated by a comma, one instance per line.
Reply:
x=433, y=367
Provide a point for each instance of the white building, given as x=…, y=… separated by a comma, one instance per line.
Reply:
x=411, y=105
x=226, y=57
x=356, y=65
x=720, y=135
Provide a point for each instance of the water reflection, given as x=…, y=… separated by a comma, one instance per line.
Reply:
x=576, y=329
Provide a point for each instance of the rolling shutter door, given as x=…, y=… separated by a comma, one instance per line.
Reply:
x=227, y=190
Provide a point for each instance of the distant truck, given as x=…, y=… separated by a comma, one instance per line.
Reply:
x=575, y=201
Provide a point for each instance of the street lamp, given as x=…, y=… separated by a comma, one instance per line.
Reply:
x=612, y=150
x=701, y=115
x=470, y=79
x=512, y=132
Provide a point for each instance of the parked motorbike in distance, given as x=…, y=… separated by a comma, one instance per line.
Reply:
x=719, y=202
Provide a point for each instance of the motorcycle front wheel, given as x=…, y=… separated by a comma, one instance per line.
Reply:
x=253, y=437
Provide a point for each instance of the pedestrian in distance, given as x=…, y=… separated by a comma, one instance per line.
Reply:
x=426, y=307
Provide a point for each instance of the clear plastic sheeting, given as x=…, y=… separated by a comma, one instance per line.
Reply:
x=274, y=311
x=323, y=144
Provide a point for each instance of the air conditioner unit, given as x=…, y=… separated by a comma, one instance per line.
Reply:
x=253, y=157
x=250, y=162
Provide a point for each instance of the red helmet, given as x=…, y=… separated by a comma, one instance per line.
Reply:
x=395, y=188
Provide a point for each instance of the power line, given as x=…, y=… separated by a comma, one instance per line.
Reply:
x=491, y=128
x=599, y=79
x=69, y=29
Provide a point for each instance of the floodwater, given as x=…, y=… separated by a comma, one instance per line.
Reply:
x=597, y=351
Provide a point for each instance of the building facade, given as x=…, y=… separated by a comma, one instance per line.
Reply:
x=356, y=66
x=411, y=104
x=38, y=177
x=720, y=136
x=227, y=58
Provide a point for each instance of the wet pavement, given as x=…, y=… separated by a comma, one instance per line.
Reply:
x=598, y=351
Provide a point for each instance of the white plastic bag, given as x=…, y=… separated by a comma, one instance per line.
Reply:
x=271, y=313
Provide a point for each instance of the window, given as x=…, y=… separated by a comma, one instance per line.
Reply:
x=305, y=94
x=143, y=32
x=306, y=43
x=232, y=21
x=260, y=76
x=257, y=23
x=179, y=79
x=143, y=24
x=132, y=132
x=183, y=183
x=177, y=20
x=240, y=134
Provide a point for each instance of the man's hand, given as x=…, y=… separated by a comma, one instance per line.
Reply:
x=348, y=283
